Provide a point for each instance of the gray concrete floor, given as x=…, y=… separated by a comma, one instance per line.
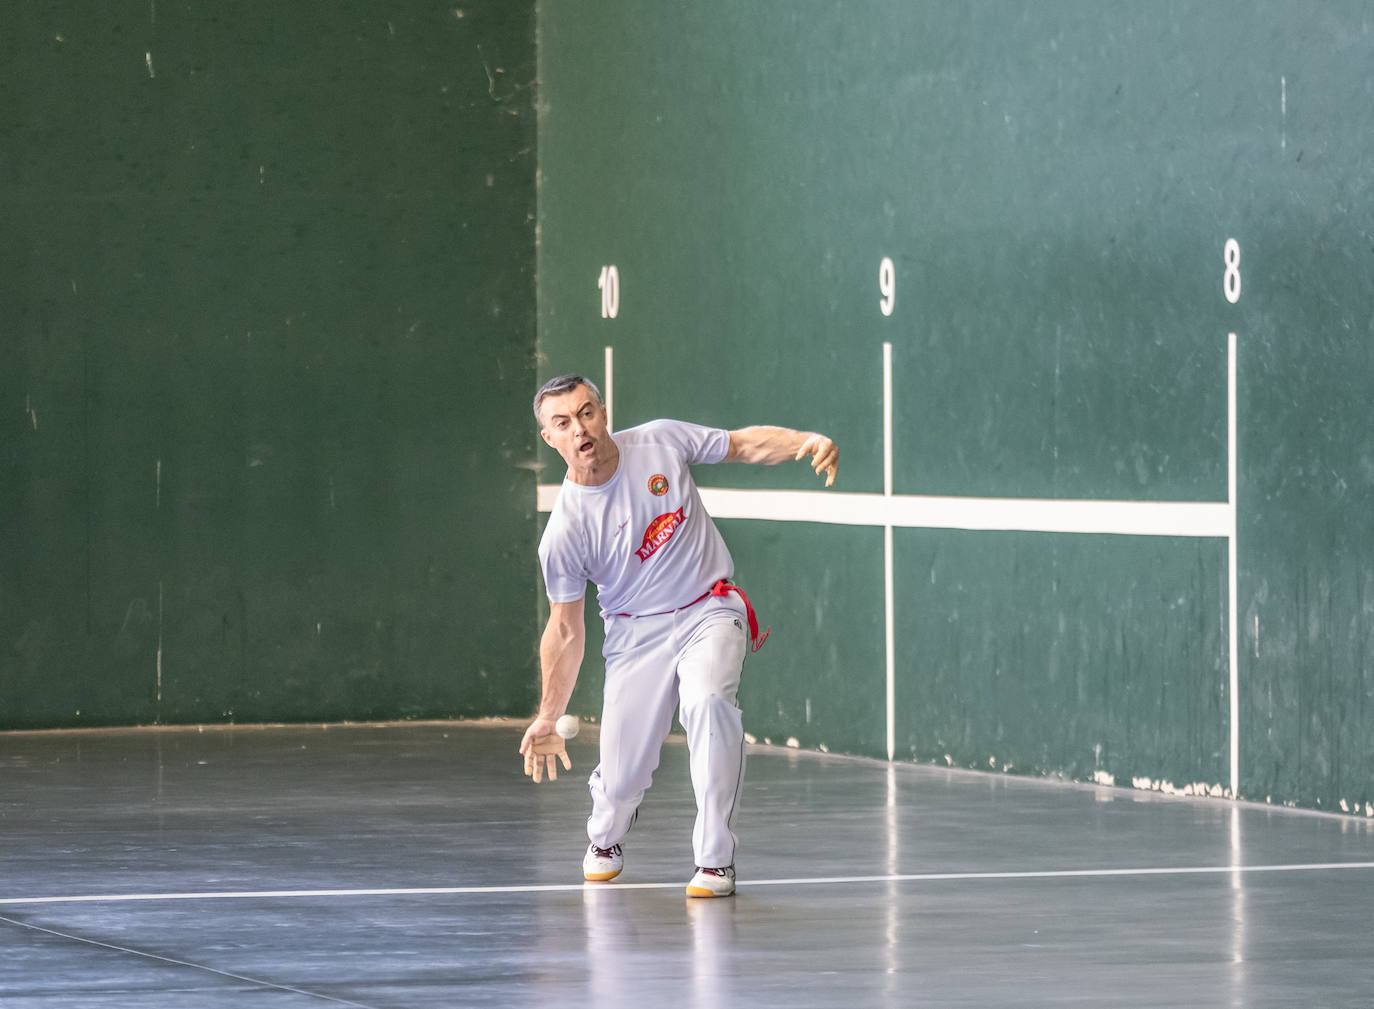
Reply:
x=249, y=867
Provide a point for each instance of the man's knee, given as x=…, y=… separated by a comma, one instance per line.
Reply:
x=710, y=702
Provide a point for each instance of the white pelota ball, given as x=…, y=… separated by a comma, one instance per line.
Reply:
x=567, y=726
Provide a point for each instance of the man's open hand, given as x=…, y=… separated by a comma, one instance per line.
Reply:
x=543, y=748
x=825, y=456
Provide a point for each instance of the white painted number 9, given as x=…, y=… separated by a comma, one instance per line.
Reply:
x=609, y=282
x=887, y=285
x=1230, y=281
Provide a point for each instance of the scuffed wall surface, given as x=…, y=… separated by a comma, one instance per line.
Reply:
x=267, y=289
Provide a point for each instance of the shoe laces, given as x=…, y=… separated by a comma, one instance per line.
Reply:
x=606, y=852
x=713, y=872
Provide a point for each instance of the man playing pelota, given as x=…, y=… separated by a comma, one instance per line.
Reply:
x=629, y=518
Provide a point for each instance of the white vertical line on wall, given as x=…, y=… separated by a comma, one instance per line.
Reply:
x=608, y=389
x=888, y=609
x=887, y=420
x=1232, y=564
x=159, y=649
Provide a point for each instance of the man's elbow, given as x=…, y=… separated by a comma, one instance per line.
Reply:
x=734, y=453
x=746, y=445
x=564, y=628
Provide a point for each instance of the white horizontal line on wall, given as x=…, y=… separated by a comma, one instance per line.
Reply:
x=915, y=511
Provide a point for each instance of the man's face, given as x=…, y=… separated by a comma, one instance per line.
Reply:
x=575, y=427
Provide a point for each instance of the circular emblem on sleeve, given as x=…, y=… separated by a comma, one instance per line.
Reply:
x=658, y=485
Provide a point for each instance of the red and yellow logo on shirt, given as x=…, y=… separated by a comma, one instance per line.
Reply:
x=658, y=485
x=660, y=531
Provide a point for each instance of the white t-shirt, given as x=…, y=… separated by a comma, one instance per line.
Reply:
x=643, y=537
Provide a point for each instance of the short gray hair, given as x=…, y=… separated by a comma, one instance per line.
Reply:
x=558, y=386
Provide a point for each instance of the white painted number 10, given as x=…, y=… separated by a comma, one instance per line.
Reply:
x=1230, y=281
x=609, y=282
x=887, y=285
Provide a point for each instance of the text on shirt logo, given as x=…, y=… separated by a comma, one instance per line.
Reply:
x=660, y=531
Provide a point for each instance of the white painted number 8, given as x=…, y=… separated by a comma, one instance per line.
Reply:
x=887, y=285
x=609, y=282
x=1230, y=281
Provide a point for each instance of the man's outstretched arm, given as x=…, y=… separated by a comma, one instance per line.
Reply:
x=772, y=445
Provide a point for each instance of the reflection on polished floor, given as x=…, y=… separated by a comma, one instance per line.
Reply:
x=412, y=865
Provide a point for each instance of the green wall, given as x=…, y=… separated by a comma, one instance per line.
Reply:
x=1055, y=184
x=268, y=284
x=268, y=340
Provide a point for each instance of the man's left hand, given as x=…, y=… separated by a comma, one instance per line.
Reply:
x=825, y=456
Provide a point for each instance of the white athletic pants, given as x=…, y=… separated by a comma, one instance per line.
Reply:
x=690, y=659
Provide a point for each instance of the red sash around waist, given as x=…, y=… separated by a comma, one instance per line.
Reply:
x=724, y=588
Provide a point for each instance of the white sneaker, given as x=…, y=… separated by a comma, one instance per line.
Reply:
x=602, y=864
x=712, y=882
